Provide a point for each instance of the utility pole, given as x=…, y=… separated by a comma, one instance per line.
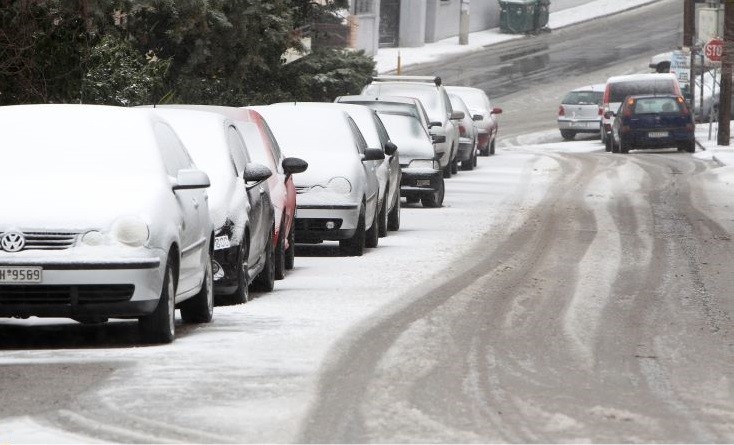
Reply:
x=464, y=23
x=689, y=31
x=726, y=71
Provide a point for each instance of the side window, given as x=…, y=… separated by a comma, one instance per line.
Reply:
x=359, y=139
x=381, y=131
x=237, y=149
x=277, y=154
x=447, y=103
x=174, y=154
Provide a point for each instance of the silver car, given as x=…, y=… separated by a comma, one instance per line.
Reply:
x=485, y=116
x=467, y=154
x=581, y=111
x=338, y=194
x=111, y=221
x=435, y=99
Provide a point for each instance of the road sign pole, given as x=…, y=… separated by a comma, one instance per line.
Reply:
x=723, y=135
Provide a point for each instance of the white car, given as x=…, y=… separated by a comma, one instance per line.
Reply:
x=485, y=116
x=581, y=111
x=468, y=135
x=111, y=220
x=435, y=99
x=338, y=194
x=239, y=202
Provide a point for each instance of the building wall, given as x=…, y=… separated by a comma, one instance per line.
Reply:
x=365, y=25
x=412, y=23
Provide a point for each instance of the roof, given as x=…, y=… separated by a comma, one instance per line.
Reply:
x=647, y=76
x=599, y=87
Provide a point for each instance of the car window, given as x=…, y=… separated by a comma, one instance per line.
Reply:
x=175, y=157
x=381, y=131
x=583, y=98
x=238, y=150
x=619, y=91
x=447, y=103
x=257, y=145
x=657, y=105
x=277, y=154
x=359, y=139
x=427, y=94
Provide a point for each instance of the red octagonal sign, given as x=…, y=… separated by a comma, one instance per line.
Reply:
x=714, y=49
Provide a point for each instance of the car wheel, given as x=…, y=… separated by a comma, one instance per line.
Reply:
x=622, y=147
x=608, y=146
x=382, y=222
x=447, y=171
x=491, y=148
x=568, y=134
x=372, y=237
x=290, y=253
x=691, y=147
x=354, y=246
x=469, y=163
x=160, y=326
x=280, y=257
x=455, y=167
x=242, y=293
x=476, y=155
x=393, y=219
x=435, y=199
x=200, y=307
x=265, y=280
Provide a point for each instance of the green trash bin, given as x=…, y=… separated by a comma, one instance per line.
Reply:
x=542, y=13
x=517, y=16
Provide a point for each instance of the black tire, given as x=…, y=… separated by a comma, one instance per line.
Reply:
x=200, y=307
x=568, y=135
x=290, y=253
x=372, y=236
x=691, y=147
x=354, y=246
x=160, y=326
x=435, y=199
x=241, y=295
x=455, y=167
x=280, y=256
x=382, y=222
x=469, y=163
x=447, y=171
x=412, y=199
x=622, y=147
x=608, y=146
x=393, y=218
x=476, y=155
x=491, y=148
x=265, y=280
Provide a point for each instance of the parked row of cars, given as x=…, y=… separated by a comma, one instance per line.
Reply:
x=136, y=212
x=631, y=112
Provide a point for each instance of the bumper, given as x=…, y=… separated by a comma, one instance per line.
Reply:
x=419, y=182
x=580, y=126
x=225, y=269
x=641, y=140
x=111, y=288
x=317, y=223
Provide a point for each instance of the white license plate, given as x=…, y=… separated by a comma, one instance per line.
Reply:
x=423, y=182
x=658, y=134
x=20, y=275
x=222, y=242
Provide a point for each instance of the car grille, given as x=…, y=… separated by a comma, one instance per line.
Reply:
x=69, y=295
x=48, y=240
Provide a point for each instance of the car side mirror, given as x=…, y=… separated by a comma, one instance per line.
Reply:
x=373, y=154
x=496, y=110
x=435, y=124
x=390, y=148
x=457, y=115
x=190, y=179
x=291, y=166
x=256, y=173
x=438, y=138
x=477, y=117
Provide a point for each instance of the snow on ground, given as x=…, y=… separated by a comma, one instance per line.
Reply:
x=387, y=58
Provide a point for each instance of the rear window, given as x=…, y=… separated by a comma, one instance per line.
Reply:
x=583, y=98
x=621, y=90
x=657, y=105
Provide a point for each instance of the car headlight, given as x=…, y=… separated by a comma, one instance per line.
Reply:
x=95, y=238
x=132, y=231
x=424, y=163
x=339, y=184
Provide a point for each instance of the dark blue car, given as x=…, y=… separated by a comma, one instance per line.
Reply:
x=649, y=121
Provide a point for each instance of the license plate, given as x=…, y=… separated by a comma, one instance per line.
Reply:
x=423, y=182
x=658, y=134
x=20, y=275
x=222, y=242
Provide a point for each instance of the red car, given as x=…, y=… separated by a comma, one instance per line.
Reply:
x=264, y=149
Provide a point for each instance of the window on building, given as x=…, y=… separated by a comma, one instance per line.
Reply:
x=364, y=6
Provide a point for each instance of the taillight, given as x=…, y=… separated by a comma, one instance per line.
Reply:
x=601, y=111
x=561, y=111
x=462, y=130
x=683, y=105
x=628, y=107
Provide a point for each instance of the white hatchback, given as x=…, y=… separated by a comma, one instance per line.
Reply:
x=106, y=217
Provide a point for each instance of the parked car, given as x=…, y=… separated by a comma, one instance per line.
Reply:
x=653, y=121
x=239, y=202
x=338, y=194
x=618, y=88
x=467, y=153
x=387, y=170
x=422, y=178
x=483, y=114
x=119, y=223
x=581, y=111
x=435, y=99
x=262, y=148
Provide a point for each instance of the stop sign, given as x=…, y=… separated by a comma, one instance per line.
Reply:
x=714, y=49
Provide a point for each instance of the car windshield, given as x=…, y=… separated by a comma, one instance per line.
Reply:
x=473, y=99
x=427, y=94
x=390, y=107
x=621, y=90
x=583, y=98
x=300, y=132
x=657, y=105
x=400, y=125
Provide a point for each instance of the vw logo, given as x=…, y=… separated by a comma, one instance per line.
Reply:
x=12, y=242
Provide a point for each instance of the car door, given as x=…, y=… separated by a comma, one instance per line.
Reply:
x=450, y=126
x=392, y=163
x=192, y=220
x=369, y=176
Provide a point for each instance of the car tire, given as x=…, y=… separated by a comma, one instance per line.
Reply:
x=435, y=199
x=372, y=236
x=484, y=152
x=412, y=199
x=160, y=325
x=265, y=280
x=455, y=167
x=469, y=163
x=447, y=171
x=290, y=253
x=393, y=218
x=622, y=147
x=568, y=135
x=280, y=256
x=608, y=145
x=354, y=246
x=690, y=147
x=200, y=307
x=476, y=155
x=382, y=222
x=242, y=294
x=491, y=148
